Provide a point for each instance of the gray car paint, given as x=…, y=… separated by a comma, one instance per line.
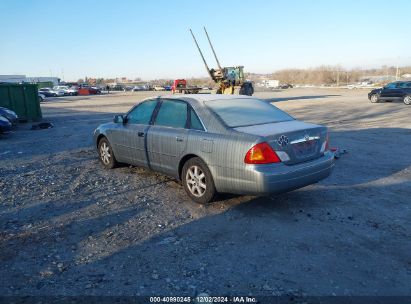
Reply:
x=223, y=150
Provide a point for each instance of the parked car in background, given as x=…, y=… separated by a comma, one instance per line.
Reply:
x=48, y=92
x=95, y=90
x=256, y=149
x=167, y=88
x=10, y=115
x=42, y=97
x=5, y=125
x=286, y=86
x=140, y=88
x=158, y=88
x=66, y=90
x=117, y=87
x=86, y=90
x=399, y=90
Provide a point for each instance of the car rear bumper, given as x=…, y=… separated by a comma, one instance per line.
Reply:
x=277, y=178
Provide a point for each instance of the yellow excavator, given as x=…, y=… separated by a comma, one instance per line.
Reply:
x=230, y=80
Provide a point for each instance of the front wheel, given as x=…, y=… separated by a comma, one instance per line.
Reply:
x=407, y=100
x=374, y=98
x=106, y=154
x=198, y=181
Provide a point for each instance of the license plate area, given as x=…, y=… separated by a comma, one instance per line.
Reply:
x=305, y=149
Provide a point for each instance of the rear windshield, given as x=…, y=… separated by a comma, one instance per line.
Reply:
x=247, y=112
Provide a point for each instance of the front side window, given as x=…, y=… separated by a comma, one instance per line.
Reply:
x=239, y=112
x=172, y=113
x=142, y=113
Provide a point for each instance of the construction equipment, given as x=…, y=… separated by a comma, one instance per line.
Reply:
x=180, y=86
x=230, y=80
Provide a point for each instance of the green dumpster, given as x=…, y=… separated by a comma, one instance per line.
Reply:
x=22, y=99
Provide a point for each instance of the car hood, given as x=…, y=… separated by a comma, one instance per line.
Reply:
x=108, y=125
x=4, y=121
x=376, y=90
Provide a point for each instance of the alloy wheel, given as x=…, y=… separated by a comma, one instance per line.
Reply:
x=105, y=154
x=195, y=179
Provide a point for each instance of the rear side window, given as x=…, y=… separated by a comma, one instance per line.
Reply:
x=142, y=113
x=172, y=113
x=247, y=112
x=195, y=122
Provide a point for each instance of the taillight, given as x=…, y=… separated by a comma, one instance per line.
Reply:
x=325, y=146
x=261, y=153
x=327, y=143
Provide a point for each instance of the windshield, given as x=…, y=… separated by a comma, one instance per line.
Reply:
x=246, y=112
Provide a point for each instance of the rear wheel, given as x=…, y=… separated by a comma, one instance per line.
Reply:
x=106, y=154
x=198, y=181
x=407, y=100
x=374, y=98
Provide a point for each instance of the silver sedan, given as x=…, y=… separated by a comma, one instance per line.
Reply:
x=218, y=143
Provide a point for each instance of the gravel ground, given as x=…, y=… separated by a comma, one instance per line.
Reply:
x=70, y=227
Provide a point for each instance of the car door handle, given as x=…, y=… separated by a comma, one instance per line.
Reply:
x=140, y=134
x=179, y=139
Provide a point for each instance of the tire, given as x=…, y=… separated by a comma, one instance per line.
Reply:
x=198, y=181
x=106, y=154
x=407, y=100
x=374, y=98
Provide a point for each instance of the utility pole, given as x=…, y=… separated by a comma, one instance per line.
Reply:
x=338, y=76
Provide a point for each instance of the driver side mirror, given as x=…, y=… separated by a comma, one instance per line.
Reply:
x=119, y=119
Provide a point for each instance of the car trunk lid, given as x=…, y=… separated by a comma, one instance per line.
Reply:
x=301, y=141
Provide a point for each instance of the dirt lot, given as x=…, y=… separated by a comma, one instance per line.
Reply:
x=70, y=227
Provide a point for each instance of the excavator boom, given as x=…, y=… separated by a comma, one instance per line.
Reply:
x=212, y=48
x=229, y=79
x=201, y=54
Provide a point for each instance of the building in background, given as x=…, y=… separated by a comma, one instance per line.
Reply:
x=23, y=78
x=54, y=80
x=13, y=78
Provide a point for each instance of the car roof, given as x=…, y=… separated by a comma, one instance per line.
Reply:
x=206, y=97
